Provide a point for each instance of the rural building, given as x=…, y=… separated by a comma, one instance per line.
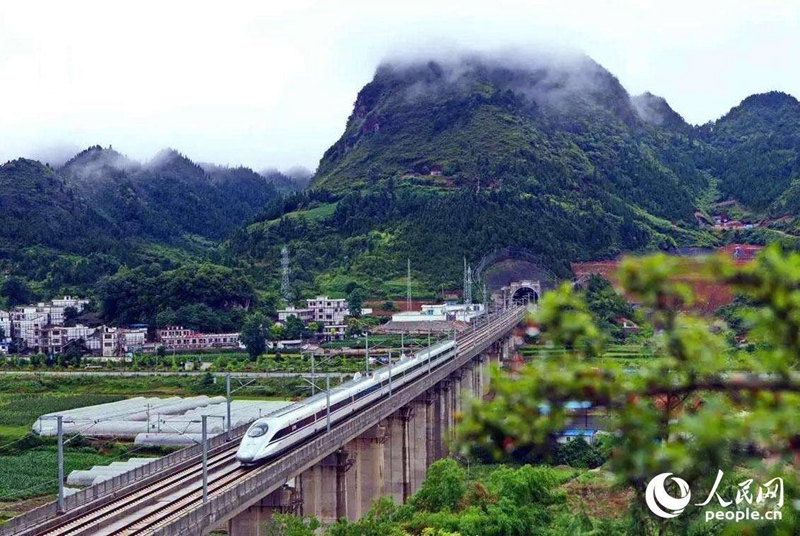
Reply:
x=180, y=338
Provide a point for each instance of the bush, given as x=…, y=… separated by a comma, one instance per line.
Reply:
x=578, y=453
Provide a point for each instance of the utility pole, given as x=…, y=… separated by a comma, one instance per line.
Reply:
x=366, y=354
x=390, y=373
x=228, y=420
x=60, y=428
x=429, y=349
x=328, y=400
x=205, y=457
x=313, y=376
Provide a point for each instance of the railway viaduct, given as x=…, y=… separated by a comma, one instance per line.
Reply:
x=382, y=451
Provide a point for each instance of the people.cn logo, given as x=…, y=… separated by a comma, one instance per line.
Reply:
x=662, y=503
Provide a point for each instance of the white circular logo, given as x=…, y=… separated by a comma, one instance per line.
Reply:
x=662, y=503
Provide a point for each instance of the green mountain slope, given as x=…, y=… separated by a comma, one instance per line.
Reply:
x=757, y=153
x=441, y=160
x=40, y=207
x=169, y=196
x=68, y=231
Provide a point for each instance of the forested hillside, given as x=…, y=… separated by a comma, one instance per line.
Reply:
x=441, y=160
x=138, y=237
x=756, y=153
x=169, y=196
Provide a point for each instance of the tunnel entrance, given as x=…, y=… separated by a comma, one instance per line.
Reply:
x=525, y=295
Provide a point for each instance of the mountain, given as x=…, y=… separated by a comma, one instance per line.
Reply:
x=757, y=153
x=40, y=207
x=168, y=196
x=655, y=110
x=102, y=214
x=293, y=180
x=442, y=159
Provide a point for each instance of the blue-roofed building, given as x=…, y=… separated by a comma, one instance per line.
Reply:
x=571, y=434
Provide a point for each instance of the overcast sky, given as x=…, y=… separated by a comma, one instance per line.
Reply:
x=271, y=83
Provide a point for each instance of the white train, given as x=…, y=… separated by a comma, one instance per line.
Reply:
x=275, y=433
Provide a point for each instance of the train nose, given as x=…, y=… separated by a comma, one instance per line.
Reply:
x=244, y=457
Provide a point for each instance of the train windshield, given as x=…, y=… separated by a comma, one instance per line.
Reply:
x=257, y=430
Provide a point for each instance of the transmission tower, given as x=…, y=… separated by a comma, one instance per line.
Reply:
x=408, y=286
x=286, y=289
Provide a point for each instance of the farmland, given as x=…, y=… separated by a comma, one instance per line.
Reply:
x=28, y=462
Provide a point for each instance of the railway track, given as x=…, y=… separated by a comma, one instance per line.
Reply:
x=133, y=510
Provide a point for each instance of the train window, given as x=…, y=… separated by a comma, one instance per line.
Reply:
x=257, y=430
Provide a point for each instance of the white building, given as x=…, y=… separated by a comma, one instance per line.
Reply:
x=306, y=315
x=26, y=324
x=180, y=338
x=329, y=311
x=5, y=326
x=441, y=312
x=117, y=342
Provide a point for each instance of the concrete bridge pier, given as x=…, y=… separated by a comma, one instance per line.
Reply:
x=366, y=479
x=445, y=416
x=418, y=446
x=467, y=383
x=456, y=394
x=432, y=434
x=480, y=375
x=324, y=488
x=397, y=455
x=256, y=519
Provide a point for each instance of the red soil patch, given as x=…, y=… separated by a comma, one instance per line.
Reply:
x=709, y=295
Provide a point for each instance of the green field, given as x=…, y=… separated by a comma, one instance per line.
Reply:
x=35, y=472
x=28, y=462
x=626, y=355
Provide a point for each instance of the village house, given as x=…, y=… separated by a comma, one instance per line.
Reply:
x=180, y=338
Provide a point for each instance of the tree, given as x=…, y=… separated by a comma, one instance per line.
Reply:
x=443, y=488
x=70, y=313
x=16, y=291
x=294, y=328
x=254, y=334
x=683, y=412
x=276, y=332
x=607, y=306
x=161, y=351
x=207, y=381
x=354, y=302
x=71, y=356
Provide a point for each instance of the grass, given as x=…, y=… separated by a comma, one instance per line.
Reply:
x=22, y=410
x=627, y=355
x=317, y=213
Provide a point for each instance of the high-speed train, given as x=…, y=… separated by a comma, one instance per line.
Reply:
x=291, y=425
